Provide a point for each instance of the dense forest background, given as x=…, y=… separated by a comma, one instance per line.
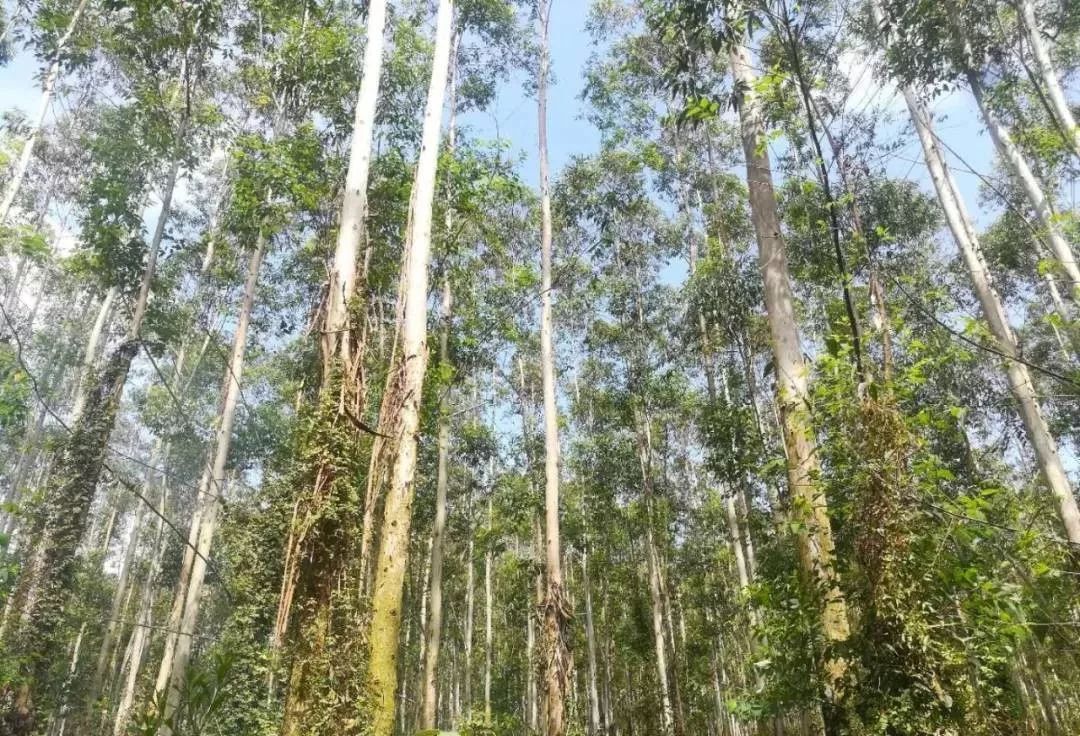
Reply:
x=330, y=405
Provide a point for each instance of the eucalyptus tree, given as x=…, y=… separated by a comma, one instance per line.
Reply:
x=966, y=237
x=112, y=228
x=941, y=46
x=401, y=404
x=555, y=654
x=56, y=40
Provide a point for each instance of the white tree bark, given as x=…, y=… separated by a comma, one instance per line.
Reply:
x=11, y=191
x=213, y=483
x=413, y=294
x=1031, y=186
x=142, y=301
x=112, y=625
x=1020, y=384
x=653, y=564
x=141, y=635
x=90, y=352
x=595, y=727
x=489, y=634
x=1054, y=92
x=354, y=206
x=556, y=657
x=967, y=241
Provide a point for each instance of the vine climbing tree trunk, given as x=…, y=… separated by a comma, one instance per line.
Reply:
x=811, y=507
x=402, y=403
x=43, y=585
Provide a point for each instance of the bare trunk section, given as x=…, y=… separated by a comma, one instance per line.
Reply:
x=352, y=224
x=1033, y=190
x=489, y=634
x=433, y=634
x=470, y=609
x=595, y=724
x=1059, y=106
x=11, y=191
x=90, y=352
x=211, y=489
x=1020, y=384
x=815, y=541
x=403, y=401
x=555, y=612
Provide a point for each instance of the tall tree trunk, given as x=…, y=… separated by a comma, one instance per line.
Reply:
x=1020, y=384
x=11, y=191
x=90, y=353
x=489, y=633
x=337, y=348
x=652, y=557
x=44, y=586
x=470, y=609
x=433, y=634
x=610, y=726
x=1059, y=106
x=595, y=724
x=211, y=489
x=815, y=537
x=403, y=401
x=1031, y=186
x=555, y=653
x=352, y=227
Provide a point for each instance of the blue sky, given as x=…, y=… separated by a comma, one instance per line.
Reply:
x=514, y=113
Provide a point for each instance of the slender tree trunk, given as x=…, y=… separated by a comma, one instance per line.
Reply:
x=556, y=656
x=44, y=582
x=425, y=578
x=11, y=191
x=112, y=625
x=404, y=400
x=489, y=634
x=595, y=725
x=815, y=539
x=141, y=635
x=1059, y=106
x=352, y=227
x=470, y=609
x=653, y=564
x=59, y=723
x=1014, y=159
x=90, y=353
x=27, y=455
x=433, y=634
x=1020, y=384
x=211, y=488
x=736, y=542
